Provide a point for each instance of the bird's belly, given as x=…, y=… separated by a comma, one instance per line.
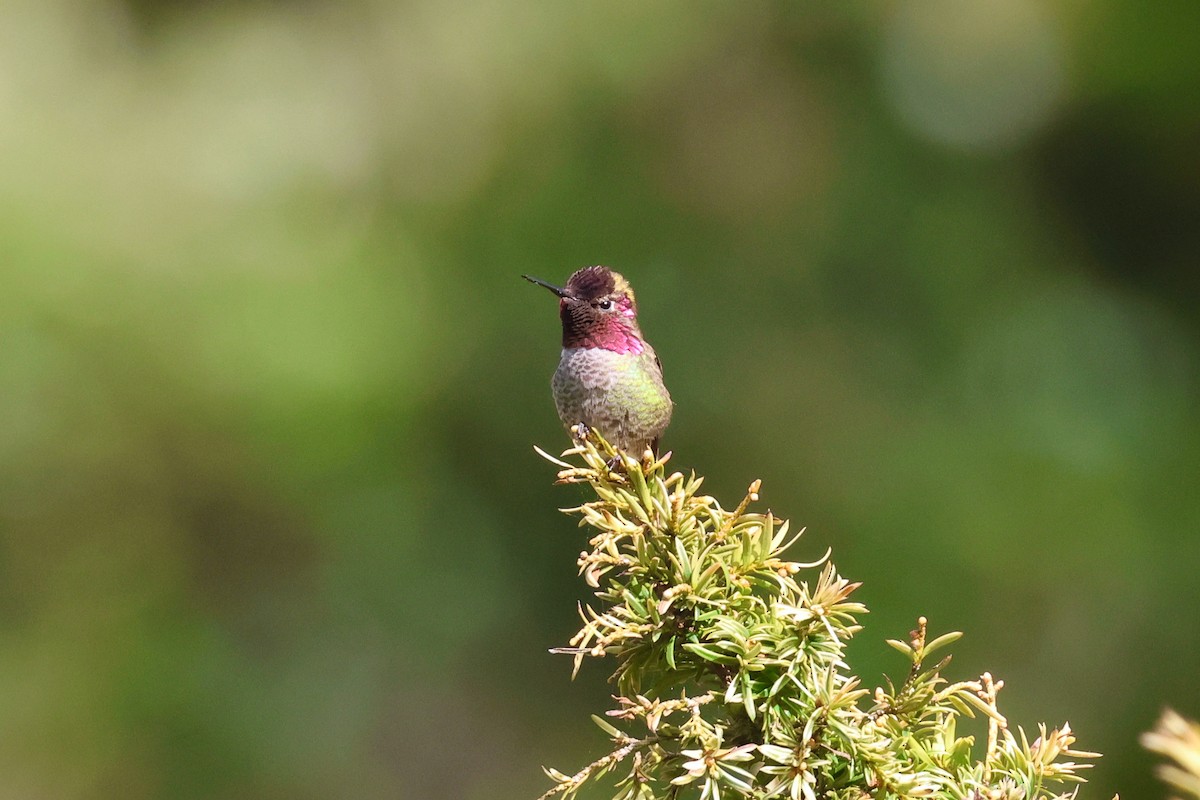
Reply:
x=620, y=394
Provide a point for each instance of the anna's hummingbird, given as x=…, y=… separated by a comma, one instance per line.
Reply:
x=608, y=377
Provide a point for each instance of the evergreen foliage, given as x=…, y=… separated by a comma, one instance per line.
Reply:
x=1179, y=740
x=730, y=672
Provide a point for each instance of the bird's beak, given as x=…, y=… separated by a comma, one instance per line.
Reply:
x=558, y=290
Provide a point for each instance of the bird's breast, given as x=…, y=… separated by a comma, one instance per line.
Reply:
x=594, y=368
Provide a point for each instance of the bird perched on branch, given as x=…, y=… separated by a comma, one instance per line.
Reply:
x=609, y=377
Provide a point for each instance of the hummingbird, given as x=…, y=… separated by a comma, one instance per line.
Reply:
x=609, y=377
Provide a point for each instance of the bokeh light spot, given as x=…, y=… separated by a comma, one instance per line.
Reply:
x=976, y=76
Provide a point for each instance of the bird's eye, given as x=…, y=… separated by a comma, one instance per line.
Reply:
x=605, y=305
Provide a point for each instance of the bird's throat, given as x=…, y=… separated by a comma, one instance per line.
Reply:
x=609, y=335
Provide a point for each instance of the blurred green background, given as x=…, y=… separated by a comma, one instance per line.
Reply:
x=270, y=521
